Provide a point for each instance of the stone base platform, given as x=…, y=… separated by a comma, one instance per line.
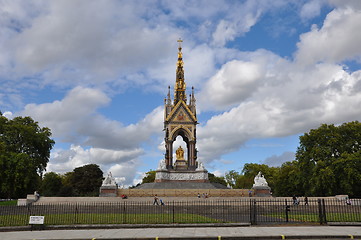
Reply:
x=183, y=193
x=262, y=191
x=108, y=191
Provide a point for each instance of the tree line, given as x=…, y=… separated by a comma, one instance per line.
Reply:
x=24, y=154
x=327, y=162
x=82, y=181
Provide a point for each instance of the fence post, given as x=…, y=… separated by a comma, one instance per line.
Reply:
x=76, y=213
x=253, y=211
x=321, y=212
x=173, y=211
x=124, y=214
x=324, y=211
x=288, y=208
x=223, y=217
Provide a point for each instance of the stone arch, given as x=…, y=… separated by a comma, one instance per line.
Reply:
x=183, y=132
x=188, y=138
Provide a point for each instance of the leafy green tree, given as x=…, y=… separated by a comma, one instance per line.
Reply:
x=231, y=178
x=51, y=184
x=149, y=177
x=86, y=180
x=321, y=154
x=67, y=188
x=244, y=182
x=24, y=154
x=214, y=179
x=287, y=182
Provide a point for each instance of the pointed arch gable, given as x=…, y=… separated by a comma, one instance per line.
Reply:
x=181, y=131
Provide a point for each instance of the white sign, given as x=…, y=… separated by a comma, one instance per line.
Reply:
x=36, y=220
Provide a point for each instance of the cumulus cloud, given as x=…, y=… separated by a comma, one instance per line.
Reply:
x=289, y=99
x=233, y=83
x=121, y=163
x=311, y=9
x=95, y=138
x=337, y=40
x=126, y=170
x=74, y=119
x=88, y=40
x=8, y=115
x=64, y=117
x=99, y=49
x=228, y=30
x=278, y=160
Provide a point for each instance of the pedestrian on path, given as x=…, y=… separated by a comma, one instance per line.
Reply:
x=155, y=200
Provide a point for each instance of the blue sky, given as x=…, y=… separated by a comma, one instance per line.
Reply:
x=96, y=73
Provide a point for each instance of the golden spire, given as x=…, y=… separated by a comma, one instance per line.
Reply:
x=180, y=85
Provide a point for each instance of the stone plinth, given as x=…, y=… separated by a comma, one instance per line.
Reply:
x=262, y=191
x=164, y=175
x=108, y=191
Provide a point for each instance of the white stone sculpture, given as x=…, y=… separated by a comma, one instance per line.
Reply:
x=260, y=181
x=161, y=165
x=200, y=166
x=109, y=180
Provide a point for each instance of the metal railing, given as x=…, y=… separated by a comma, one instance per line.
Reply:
x=254, y=211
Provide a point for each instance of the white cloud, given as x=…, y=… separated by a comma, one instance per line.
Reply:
x=66, y=116
x=289, y=99
x=74, y=119
x=234, y=82
x=278, y=160
x=95, y=138
x=235, y=25
x=126, y=170
x=311, y=9
x=112, y=45
x=337, y=40
x=122, y=163
x=8, y=115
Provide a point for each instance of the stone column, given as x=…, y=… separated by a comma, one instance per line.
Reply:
x=191, y=155
x=169, y=163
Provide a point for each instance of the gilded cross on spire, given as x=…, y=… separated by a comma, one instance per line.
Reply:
x=180, y=85
x=180, y=43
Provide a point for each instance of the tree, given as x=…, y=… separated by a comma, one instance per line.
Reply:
x=149, y=177
x=24, y=154
x=244, y=182
x=287, y=181
x=86, y=180
x=231, y=178
x=348, y=167
x=214, y=179
x=51, y=184
x=250, y=170
x=326, y=156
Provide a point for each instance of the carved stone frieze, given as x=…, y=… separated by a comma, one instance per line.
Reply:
x=181, y=176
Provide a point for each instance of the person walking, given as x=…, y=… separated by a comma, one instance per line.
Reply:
x=155, y=202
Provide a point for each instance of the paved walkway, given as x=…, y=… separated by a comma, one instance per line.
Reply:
x=216, y=233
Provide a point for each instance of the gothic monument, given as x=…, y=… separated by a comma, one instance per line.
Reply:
x=180, y=119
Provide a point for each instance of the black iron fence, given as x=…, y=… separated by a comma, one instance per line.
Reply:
x=254, y=211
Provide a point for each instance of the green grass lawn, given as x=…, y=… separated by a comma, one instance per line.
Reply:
x=330, y=217
x=71, y=219
x=9, y=203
